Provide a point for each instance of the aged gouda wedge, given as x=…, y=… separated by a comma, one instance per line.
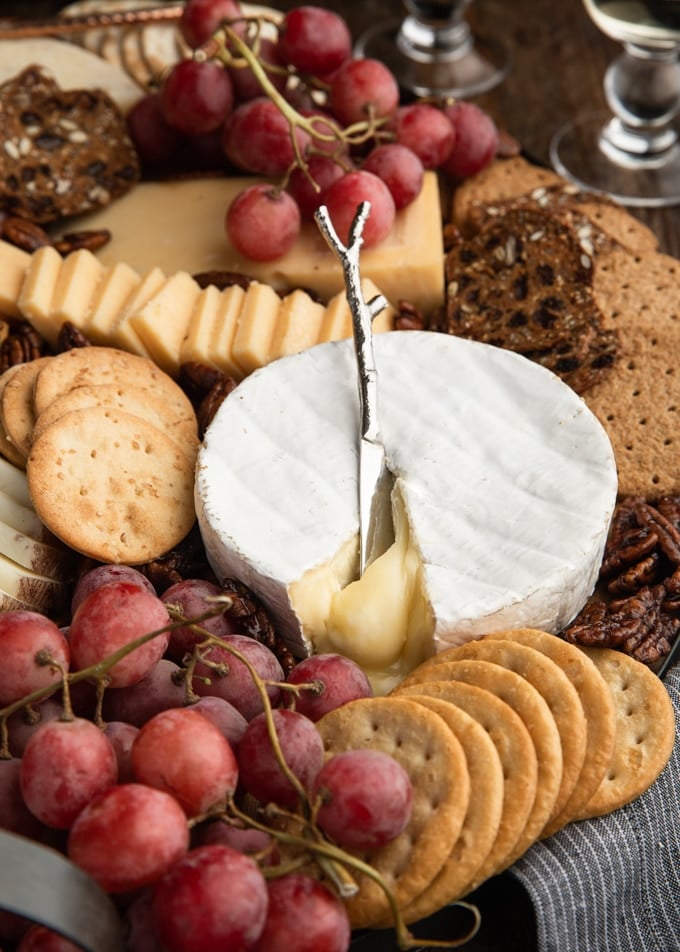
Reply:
x=162, y=322
x=184, y=231
x=255, y=327
x=231, y=304
x=76, y=285
x=114, y=290
x=13, y=265
x=37, y=290
x=297, y=326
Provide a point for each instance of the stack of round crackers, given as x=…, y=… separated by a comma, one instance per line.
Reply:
x=109, y=445
x=506, y=740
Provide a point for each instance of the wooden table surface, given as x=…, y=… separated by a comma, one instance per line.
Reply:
x=559, y=59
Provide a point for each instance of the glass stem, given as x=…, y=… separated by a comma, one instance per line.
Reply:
x=435, y=32
x=642, y=88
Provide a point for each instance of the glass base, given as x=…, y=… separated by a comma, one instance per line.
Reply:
x=474, y=70
x=579, y=152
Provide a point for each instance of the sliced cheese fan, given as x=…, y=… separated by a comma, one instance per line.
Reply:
x=505, y=486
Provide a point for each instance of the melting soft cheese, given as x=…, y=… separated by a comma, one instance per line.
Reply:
x=383, y=620
x=504, y=484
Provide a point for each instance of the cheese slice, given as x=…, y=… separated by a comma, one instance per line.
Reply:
x=122, y=333
x=298, y=325
x=37, y=290
x=13, y=483
x=115, y=289
x=183, y=230
x=230, y=307
x=505, y=484
x=255, y=327
x=32, y=554
x=337, y=320
x=162, y=322
x=74, y=291
x=203, y=325
x=13, y=265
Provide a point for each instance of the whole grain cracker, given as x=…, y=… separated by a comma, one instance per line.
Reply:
x=518, y=758
x=112, y=486
x=135, y=400
x=16, y=404
x=482, y=819
x=526, y=701
x=598, y=707
x=638, y=403
x=645, y=730
x=552, y=683
x=433, y=757
x=97, y=365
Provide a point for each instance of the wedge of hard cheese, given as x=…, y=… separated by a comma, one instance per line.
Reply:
x=505, y=485
x=184, y=231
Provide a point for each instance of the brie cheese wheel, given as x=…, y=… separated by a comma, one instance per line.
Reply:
x=505, y=484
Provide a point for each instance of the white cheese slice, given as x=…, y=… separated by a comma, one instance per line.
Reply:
x=13, y=266
x=506, y=480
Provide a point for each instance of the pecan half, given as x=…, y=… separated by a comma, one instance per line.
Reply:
x=22, y=344
x=23, y=233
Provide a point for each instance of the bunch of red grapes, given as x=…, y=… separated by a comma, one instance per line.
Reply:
x=324, y=127
x=144, y=797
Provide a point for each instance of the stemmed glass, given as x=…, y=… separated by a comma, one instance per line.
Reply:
x=433, y=52
x=632, y=153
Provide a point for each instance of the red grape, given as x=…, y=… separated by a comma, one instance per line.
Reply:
x=23, y=636
x=314, y=40
x=181, y=752
x=201, y=18
x=367, y=798
x=196, y=97
x=110, y=618
x=362, y=88
x=155, y=692
x=226, y=718
x=103, y=575
x=263, y=222
x=128, y=837
x=343, y=197
x=425, y=130
x=324, y=171
x=22, y=724
x=399, y=168
x=257, y=138
x=65, y=764
x=476, y=140
x=140, y=935
x=213, y=898
x=302, y=749
x=304, y=915
x=41, y=939
x=338, y=680
x=157, y=143
x=192, y=599
x=14, y=814
x=238, y=686
x=243, y=839
x=323, y=124
x=121, y=737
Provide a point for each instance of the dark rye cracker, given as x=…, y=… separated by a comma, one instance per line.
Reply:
x=64, y=152
x=524, y=282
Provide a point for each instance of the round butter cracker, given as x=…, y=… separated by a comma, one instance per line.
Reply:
x=518, y=758
x=16, y=404
x=598, y=707
x=112, y=486
x=434, y=759
x=7, y=447
x=645, y=730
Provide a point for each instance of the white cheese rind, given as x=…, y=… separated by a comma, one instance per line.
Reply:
x=508, y=480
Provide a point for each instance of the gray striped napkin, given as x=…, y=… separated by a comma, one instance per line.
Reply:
x=612, y=884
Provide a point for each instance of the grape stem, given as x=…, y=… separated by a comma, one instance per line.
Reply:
x=354, y=134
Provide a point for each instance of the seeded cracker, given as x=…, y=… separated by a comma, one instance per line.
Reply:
x=425, y=746
x=64, y=152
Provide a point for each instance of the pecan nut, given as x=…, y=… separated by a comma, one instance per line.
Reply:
x=23, y=234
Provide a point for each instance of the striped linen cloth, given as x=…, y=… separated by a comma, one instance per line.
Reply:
x=612, y=884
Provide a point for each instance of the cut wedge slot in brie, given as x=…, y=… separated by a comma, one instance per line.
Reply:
x=505, y=484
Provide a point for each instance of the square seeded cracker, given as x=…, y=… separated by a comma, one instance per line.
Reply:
x=638, y=403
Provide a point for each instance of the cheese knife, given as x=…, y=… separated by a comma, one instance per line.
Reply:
x=376, y=531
